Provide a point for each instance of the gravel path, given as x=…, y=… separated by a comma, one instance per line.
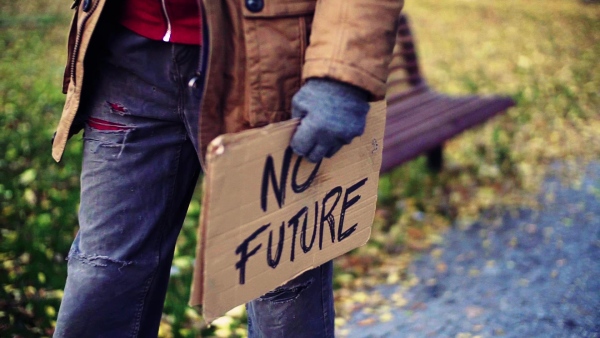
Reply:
x=533, y=274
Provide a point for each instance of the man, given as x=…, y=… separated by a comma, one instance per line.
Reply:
x=162, y=79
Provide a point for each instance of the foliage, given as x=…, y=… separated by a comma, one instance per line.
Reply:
x=544, y=54
x=38, y=199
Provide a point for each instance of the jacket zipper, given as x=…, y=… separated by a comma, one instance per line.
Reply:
x=167, y=36
x=78, y=40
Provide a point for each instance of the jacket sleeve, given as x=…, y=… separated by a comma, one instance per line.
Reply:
x=352, y=42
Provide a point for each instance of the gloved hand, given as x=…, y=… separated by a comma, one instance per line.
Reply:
x=332, y=113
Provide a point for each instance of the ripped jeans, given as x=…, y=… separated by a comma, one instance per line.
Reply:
x=140, y=167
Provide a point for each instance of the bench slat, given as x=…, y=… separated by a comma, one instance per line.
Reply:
x=424, y=111
x=394, y=98
x=401, y=147
x=412, y=103
x=443, y=106
x=430, y=120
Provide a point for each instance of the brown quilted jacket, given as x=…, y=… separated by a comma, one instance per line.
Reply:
x=259, y=53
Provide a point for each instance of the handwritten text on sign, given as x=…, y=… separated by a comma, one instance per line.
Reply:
x=323, y=212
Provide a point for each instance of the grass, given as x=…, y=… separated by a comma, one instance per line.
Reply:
x=545, y=54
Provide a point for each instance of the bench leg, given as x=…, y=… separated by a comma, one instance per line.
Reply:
x=435, y=159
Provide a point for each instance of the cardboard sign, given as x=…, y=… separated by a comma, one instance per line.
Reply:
x=269, y=215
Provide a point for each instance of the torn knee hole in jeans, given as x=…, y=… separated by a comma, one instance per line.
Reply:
x=117, y=108
x=97, y=260
x=103, y=125
x=286, y=293
x=108, y=126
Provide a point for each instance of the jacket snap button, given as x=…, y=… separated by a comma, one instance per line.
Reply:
x=255, y=5
x=87, y=5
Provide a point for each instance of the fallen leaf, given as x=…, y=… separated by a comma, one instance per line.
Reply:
x=441, y=267
x=399, y=300
x=339, y=321
x=393, y=278
x=368, y=321
x=360, y=297
x=386, y=317
x=418, y=306
x=415, y=233
x=343, y=333
x=437, y=253
x=417, y=245
x=474, y=311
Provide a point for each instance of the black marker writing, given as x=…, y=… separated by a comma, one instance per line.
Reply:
x=347, y=204
x=242, y=250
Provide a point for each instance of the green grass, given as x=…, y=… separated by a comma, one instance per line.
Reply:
x=545, y=54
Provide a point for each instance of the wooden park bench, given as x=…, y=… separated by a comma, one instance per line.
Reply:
x=420, y=120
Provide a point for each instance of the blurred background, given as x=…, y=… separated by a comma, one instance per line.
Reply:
x=545, y=54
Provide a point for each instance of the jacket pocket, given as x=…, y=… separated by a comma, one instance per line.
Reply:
x=276, y=38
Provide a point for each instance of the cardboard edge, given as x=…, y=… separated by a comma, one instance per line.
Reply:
x=217, y=147
x=220, y=143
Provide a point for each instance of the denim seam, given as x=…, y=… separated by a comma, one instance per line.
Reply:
x=140, y=311
x=323, y=301
x=181, y=102
x=138, y=315
x=177, y=79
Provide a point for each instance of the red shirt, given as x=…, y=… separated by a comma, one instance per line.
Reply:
x=175, y=21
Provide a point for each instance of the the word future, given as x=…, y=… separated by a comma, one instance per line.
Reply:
x=322, y=214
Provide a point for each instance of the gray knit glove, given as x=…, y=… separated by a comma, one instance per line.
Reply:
x=332, y=113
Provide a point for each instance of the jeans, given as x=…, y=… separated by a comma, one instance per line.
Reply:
x=140, y=167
